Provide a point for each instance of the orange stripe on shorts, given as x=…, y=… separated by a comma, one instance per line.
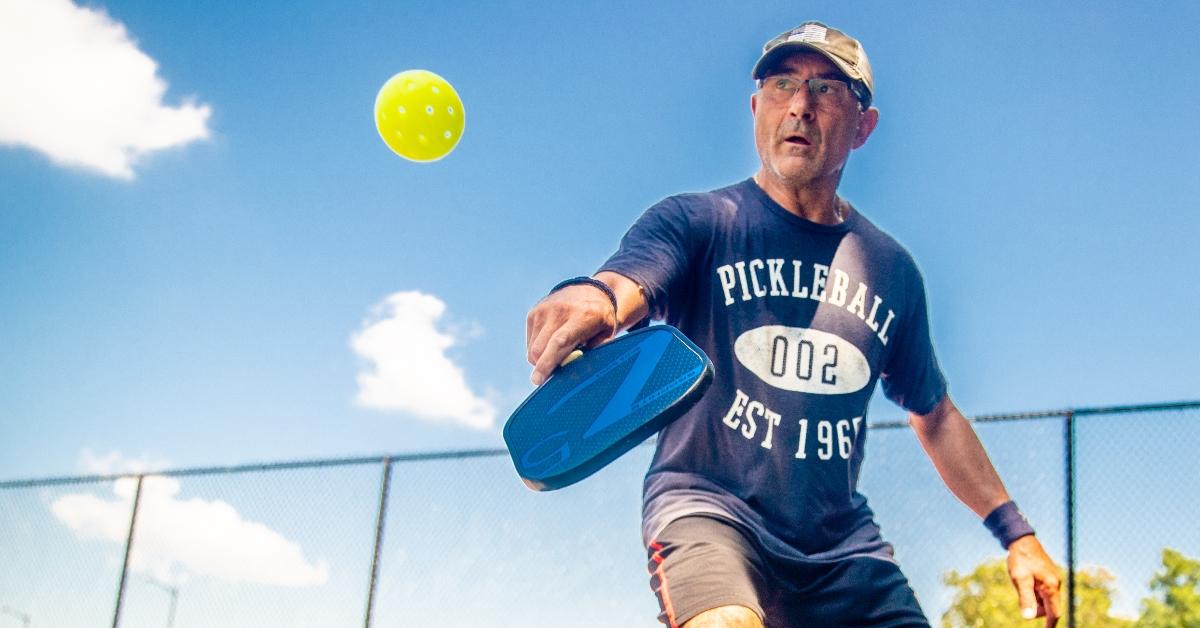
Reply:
x=663, y=592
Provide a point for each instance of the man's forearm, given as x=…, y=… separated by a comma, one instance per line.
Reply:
x=959, y=457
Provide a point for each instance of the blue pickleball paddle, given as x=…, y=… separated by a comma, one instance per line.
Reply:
x=596, y=408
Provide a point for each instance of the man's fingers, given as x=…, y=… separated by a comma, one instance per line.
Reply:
x=1048, y=598
x=559, y=343
x=540, y=337
x=563, y=321
x=553, y=330
x=533, y=323
x=1026, y=598
x=549, y=318
x=1036, y=579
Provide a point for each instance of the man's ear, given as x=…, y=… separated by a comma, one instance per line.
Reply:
x=867, y=122
x=753, y=103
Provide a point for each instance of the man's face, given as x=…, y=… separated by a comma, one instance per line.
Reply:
x=803, y=141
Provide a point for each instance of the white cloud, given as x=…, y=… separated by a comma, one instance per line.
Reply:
x=407, y=368
x=179, y=537
x=75, y=87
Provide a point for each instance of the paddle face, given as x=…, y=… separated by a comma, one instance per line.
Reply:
x=601, y=405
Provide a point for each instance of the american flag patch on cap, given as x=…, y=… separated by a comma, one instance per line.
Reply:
x=809, y=33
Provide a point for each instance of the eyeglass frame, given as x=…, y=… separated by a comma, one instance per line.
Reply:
x=861, y=95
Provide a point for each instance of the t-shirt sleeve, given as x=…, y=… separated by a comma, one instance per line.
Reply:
x=911, y=377
x=654, y=253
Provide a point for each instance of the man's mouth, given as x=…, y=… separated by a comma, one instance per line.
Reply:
x=798, y=140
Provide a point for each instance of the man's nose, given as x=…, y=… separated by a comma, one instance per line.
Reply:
x=802, y=104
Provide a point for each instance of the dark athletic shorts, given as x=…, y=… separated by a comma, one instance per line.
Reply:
x=700, y=562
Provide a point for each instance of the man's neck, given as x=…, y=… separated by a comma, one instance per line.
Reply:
x=817, y=203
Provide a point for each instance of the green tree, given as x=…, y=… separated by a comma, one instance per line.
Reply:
x=985, y=598
x=1177, y=594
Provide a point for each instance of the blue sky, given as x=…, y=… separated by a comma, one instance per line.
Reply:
x=188, y=250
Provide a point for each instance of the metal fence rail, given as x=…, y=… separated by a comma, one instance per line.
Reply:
x=470, y=503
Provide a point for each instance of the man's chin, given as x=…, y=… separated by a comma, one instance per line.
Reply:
x=796, y=172
x=793, y=176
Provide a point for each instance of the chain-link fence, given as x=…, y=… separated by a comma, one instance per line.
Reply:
x=454, y=539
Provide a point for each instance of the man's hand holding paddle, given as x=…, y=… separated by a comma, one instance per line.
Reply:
x=579, y=315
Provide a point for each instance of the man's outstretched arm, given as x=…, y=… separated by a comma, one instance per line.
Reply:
x=952, y=445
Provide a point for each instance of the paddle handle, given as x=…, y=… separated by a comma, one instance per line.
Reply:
x=571, y=357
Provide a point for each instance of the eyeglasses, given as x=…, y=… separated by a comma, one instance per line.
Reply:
x=827, y=92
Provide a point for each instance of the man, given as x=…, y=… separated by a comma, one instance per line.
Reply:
x=751, y=513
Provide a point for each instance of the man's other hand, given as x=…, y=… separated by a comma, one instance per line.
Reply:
x=1036, y=579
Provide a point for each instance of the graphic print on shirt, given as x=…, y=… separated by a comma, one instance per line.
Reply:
x=817, y=279
x=801, y=359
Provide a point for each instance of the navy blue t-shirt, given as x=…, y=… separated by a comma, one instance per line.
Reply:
x=800, y=320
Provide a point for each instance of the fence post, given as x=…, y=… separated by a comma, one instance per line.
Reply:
x=379, y=523
x=1069, y=446
x=137, y=500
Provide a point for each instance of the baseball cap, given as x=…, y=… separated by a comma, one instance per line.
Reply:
x=843, y=50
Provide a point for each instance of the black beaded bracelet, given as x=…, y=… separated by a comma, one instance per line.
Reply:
x=589, y=281
x=1007, y=524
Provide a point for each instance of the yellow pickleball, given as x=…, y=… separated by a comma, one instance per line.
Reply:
x=419, y=115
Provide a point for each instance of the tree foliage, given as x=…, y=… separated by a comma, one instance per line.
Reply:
x=1176, y=588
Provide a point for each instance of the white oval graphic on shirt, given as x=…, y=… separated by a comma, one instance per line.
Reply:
x=803, y=360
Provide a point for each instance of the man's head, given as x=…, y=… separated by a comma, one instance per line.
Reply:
x=812, y=106
x=844, y=51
